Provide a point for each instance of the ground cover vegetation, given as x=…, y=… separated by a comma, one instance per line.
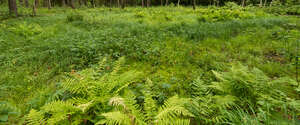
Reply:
x=115, y=63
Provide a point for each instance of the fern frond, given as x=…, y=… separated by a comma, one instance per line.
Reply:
x=84, y=107
x=172, y=110
x=226, y=101
x=117, y=101
x=115, y=118
x=117, y=66
x=149, y=107
x=35, y=118
x=59, y=111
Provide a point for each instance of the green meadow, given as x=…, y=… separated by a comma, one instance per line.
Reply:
x=150, y=66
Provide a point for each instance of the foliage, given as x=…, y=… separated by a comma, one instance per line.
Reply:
x=8, y=111
x=246, y=91
x=178, y=67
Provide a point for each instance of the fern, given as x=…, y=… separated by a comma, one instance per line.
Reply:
x=35, y=118
x=8, y=110
x=90, y=90
x=241, y=87
x=115, y=118
x=173, y=111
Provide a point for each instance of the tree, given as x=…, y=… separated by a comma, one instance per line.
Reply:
x=26, y=3
x=12, y=6
x=34, y=8
x=63, y=2
x=73, y=6
x=123, y=4
x=243, y=3
x=21, y=2
x=194, y=4
x=49, y=4
x=167, y=3
x=148, y=3
x=37, y=3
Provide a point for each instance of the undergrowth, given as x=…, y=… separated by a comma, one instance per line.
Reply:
x=227, y=65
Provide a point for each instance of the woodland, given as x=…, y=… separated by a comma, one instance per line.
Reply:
x=149, y=62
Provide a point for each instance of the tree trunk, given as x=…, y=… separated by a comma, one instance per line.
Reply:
x=71, y=2
x=85, y=2
x=167, y=2
x=33, y=8
x=21, y=2
x=161, y=3
x=142, y=3
x=194, y=4
x=123, y=4
x=63, y=3
x=148, y=3
x=265, y=3
x=271, y=3
x=243, y=3
x=260, y=3
x=178, y=2
x=36, y=3
x=80, y=2
x=12, y=6
x=93, y=3
x=49, y=4
x=26, y=3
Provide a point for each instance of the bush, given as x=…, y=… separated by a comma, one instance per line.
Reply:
x=74, y=17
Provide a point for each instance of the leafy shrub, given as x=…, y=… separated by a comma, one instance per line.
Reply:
x=92, y=89
x=8, y=111
x=26, y=30
x=74, y=17
x=248, y=89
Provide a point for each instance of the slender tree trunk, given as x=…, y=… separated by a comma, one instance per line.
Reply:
x=85, y=2
x=167, y=2
x=265, y=3
x=33, y=8
x=26, y=3
x=12, y=6
x=93, y=3
x=123, y=4
x=142, y=3
x=72, y=4
x=80, y=2
x=118, y=2
x=271, y=3
x=49, y=4
x=63, y=3
x=21, y=2
x=148, y=3
x=260, y=3
x=178, y=2
x=36, y=3
x=161, y=3
x=194, y=4
x=243, y=3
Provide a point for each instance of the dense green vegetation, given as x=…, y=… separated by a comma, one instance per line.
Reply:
x=160, y=65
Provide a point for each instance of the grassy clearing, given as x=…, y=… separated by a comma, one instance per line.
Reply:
x=209, y=66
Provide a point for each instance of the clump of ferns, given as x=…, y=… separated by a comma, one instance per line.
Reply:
x=127, y=112
x=90, y=91
x=241, y=87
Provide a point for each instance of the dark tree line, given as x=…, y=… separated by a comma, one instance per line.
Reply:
x=13, y=4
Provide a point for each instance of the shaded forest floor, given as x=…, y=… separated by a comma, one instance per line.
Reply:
x=174, y=47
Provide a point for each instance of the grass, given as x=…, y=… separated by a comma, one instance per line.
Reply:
x=172, y=46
